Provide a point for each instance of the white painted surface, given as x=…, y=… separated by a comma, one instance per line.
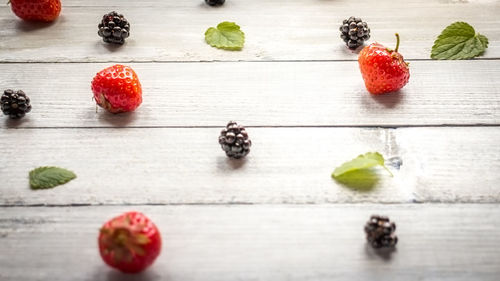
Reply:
x=278, y=215
x=262, y=94
x=275, y=29
x=260, y=242
x=286, y=165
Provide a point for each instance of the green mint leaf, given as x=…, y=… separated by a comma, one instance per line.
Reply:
x=459, y=41
x=227, y=36
x=362, y=180
x=364, y=161
x=48, y=177
x=483, y=39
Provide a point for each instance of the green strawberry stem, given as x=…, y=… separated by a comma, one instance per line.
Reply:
x=397, y=43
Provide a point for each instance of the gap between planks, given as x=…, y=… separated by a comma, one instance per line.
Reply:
x=13, y=127
x=146, y=204
x=219, y=61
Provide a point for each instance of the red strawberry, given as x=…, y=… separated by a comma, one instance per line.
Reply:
x=130, y=242
x=117, y=89
x=384, y=70
x=36, y=10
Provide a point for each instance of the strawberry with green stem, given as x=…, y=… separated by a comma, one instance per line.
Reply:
x=384, y=70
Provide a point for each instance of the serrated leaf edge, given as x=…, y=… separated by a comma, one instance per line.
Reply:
x=441, y=36
x=220, y=46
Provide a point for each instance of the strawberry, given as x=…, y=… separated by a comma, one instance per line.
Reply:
x=117, y=89
x=130, y=242
x=384, y=70
x=36, y=10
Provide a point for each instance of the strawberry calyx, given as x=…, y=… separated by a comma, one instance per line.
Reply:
x=124, y=240
x=104, y=102
x=394, y=53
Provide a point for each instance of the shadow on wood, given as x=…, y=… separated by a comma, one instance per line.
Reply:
x=147, y=275
x=109, y=46
x=116, y=120
x=362, y=180
x=349, y=52
x=383, y=253
x=13, y=123
x=225, y=163
x=29, y=26
x=389, y=100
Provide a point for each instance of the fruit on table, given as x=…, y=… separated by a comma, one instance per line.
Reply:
x=117, y=89
x=234, y=141
x=384, y=70
x=215, y=2
x=380, y=232
x=354, y=32
x=130, y=242
x=15, y=104
x=114, y=28
x=36, y=10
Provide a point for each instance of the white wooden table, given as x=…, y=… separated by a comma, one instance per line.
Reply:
x=276, y=215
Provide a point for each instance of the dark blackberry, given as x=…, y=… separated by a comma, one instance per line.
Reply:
x=234, y=140
x=354, y=32
x=15, y=103
x=380, y=232
x=114, y=28
x=215, y=2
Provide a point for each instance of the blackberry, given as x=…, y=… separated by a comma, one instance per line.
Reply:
x=354, y=32
x=380, y=232
x=234, y=140
x=114, y=28
x=215, y=2
x=15, y=103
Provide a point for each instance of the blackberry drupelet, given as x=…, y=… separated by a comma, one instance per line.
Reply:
x=215, y=2
x=234, y=140
x=114, y=28
x=354, y=32
x=380, y=232
x=15, y=104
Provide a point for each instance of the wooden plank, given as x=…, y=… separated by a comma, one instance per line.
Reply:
x=262, y=94
x=436, y=242
x=452, y=164
x=286, y=165
x=294, y=30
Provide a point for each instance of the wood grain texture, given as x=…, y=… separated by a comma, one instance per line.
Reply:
x=277, y=215
x=227, y=243
x=286, y=165
x=262, y=94
x=275, y=29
